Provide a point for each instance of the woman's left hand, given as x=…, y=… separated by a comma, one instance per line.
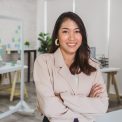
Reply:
x=96, y=90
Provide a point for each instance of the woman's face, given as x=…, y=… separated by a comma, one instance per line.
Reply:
x=69, y=37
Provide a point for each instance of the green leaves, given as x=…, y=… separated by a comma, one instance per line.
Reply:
x=27, y=43
x=45, y=42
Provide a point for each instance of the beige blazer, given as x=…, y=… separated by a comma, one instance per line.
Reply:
x=53, y=78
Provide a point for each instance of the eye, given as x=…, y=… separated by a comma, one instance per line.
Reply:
x=64, y=31
x=77, y=31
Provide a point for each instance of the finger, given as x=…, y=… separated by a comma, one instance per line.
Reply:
x=96, y=85
x=96, y=89
x=96, y=93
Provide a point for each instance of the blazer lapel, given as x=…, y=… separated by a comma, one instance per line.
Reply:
x=62, y=69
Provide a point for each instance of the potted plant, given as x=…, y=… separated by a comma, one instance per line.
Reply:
x=27, y=44
x=45, y=42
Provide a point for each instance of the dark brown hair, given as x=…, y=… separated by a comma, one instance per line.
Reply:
x=81, y=62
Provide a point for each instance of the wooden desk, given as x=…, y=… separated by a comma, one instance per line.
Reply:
x=111, y=72
x=16, y=69
x=29, y=51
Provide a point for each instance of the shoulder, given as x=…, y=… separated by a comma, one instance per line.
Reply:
x=94, y=62
x=43, y=58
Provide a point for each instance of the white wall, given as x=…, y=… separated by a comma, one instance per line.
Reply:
x=54, y=9
x=40, y=16
x=24, y=10
x=115, y=49
x=94, y=15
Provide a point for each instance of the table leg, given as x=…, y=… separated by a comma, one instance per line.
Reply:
x=108, y=82
x=34, y=55
x=116, y=88
x=13, y=86
x=0, y=78
x=29, y=66
x=9, y=75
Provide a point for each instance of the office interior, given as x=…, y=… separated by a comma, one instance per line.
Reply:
x=23, y=20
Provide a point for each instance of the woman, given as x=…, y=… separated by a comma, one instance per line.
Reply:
x=68, y=82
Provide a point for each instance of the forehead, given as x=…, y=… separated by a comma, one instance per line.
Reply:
x=68, y=23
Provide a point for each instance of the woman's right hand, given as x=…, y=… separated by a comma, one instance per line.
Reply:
x=96, y=90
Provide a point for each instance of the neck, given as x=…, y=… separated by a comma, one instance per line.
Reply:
x=68, y=58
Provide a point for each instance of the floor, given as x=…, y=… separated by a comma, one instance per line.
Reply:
x=31, y=101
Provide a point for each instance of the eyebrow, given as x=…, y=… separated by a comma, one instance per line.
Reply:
x=68, y=28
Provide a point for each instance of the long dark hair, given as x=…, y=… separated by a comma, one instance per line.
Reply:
x=81, y=62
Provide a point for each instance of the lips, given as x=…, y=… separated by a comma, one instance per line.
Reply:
x=71, y=44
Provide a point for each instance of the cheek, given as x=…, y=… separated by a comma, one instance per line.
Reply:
x=79, y=43
x=62, y=39
x=79, y=39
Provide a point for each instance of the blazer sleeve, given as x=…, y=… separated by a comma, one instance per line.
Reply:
x=88, y=105
x=50, y=105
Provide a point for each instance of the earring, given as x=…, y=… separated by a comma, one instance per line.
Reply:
x=57, y=42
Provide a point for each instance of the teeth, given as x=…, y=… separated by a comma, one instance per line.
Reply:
x=71, y=44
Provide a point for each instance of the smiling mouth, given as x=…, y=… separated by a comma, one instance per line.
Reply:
x=71, y=44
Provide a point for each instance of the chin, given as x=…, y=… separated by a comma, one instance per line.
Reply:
x=72, y=51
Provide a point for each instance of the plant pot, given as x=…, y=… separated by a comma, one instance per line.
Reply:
x=26, y=47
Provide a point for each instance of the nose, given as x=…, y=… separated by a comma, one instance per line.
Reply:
x=71, y=36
